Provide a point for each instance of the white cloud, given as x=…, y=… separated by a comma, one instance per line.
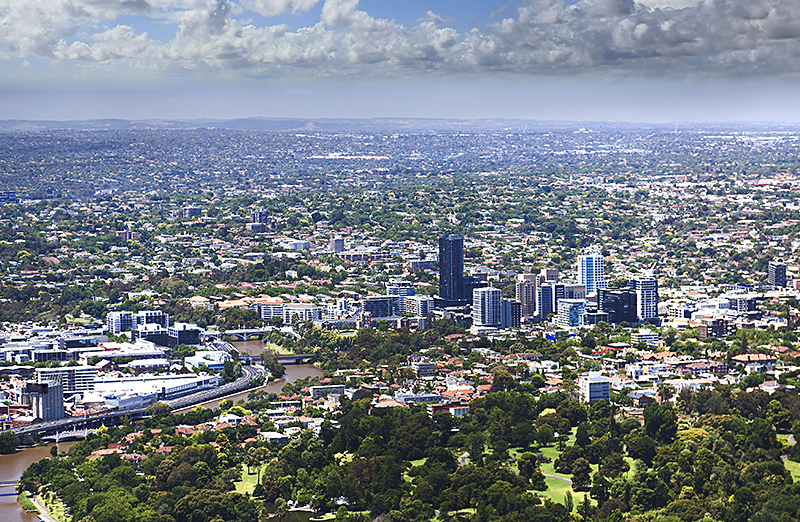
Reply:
x=278, y=7
x=543, y=37
x=436, y=18
x=114, y=44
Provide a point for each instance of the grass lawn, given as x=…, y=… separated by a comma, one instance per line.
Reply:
x=27, y=504
x=556, y=490
x=629, y=474
x=275, y=348
x=418, y=462
x=248, y=483
x=55, y=508
x=794, y=469
x=345, y=458
x=78, y=320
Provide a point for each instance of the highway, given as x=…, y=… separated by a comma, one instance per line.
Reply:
x=249, y=373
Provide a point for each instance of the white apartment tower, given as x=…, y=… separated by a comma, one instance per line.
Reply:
x=590, y=272
x=594, y=387
x=486, y=307
x=646, y=289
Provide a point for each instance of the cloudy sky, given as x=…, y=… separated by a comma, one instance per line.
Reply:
x=621, y=60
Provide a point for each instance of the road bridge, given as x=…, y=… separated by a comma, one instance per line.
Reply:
x=294, y=358
x=244, y=334
x=69, y=435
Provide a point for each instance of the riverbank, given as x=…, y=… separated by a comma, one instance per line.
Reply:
x=43, y=513
x=11, y=468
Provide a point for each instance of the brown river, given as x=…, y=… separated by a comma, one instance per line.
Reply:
x=12, y=466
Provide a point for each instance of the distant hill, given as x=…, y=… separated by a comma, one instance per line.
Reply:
x=316, y=125
x=386, y=125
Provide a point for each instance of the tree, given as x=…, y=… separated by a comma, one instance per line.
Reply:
x=779, y=416
x=544, y=434
x=600, y=489
x=569, y=503
x=582, y=438
x=665, y=392
x=527, y=464
x=612, y=466
x=183, y=350
x=8, y=443
x=503, y=381
x=229, y=370
x=660, y=422
x=574, y=411
x=581, y=474
x=281, y=509
x=475, y=444
x=566, y=460
x=641, y=447
x=159, y=410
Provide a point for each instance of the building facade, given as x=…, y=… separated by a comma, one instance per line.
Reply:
x=47, y=400
x=571, y=313
x=451, y=267
x=118, y=322
x=776, y=274
x=510, y=314
x=526, y=293
x=401, y=288
x=336, y=245
x=381, y=305
x=259, y=216
x=486, y=307
x=646, y=289
x=418, y=305
x=591, y=272
x=620, y=305
x=594, y=387
x=73, y=379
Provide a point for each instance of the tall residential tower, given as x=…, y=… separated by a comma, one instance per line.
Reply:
x=451, y=268
x=590, y=272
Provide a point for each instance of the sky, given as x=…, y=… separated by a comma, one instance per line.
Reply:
x=610, y=60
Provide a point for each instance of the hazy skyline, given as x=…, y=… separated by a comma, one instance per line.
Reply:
x=617, y=60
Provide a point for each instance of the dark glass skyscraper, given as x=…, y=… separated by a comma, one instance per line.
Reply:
x=451, y=267
x=776, y=273
x=620, y=305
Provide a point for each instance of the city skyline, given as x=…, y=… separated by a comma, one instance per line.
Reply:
x=614, y=60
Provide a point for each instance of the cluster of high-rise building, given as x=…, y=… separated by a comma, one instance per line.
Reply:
x=153, y=325
x=542, y=297
x=456, y=289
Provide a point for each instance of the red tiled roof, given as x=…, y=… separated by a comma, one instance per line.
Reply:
x=753, y=357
